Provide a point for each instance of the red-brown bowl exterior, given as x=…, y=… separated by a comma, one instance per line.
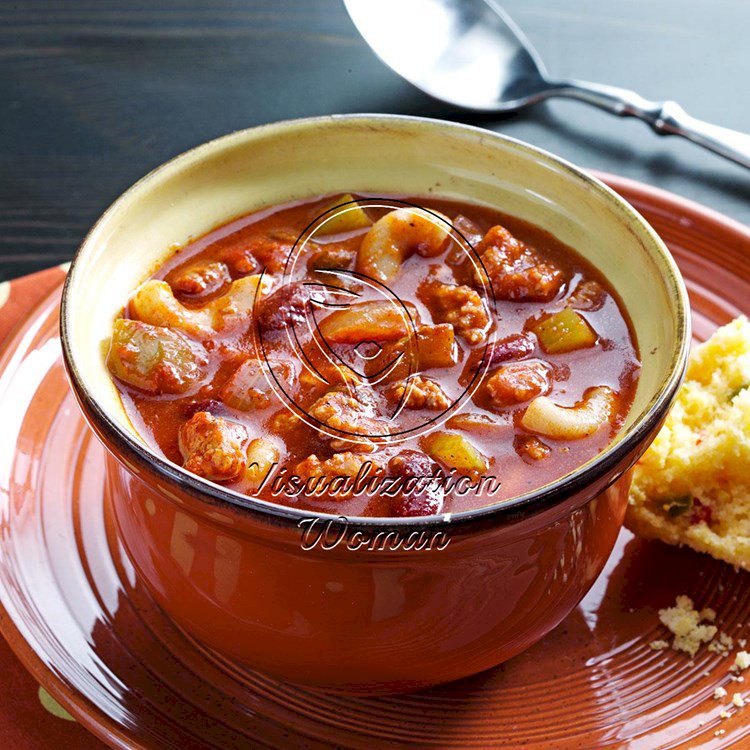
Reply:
x=363, y=620
x=372, y=621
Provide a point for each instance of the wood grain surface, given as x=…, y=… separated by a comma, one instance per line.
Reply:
x=94, y=94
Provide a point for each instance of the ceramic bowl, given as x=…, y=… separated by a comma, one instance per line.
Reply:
x=463, y=592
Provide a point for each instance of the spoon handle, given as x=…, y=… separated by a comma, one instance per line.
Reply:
x=666, y=118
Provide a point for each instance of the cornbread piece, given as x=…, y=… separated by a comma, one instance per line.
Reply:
x=692, y=486
x=685, y=623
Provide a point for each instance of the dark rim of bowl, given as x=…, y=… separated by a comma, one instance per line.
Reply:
x=506, y=510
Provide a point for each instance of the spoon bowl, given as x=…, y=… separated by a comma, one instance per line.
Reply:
x=465, y=52
x=469, y=53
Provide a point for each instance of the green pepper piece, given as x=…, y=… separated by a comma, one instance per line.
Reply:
x=676, y=506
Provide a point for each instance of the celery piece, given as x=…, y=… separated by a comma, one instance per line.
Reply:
x=456, y=452
x=153, y=358
x=248, y=387
x=564, y=331
x=345, y=216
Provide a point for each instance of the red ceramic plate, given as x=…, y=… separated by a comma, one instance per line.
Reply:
x=74, y=614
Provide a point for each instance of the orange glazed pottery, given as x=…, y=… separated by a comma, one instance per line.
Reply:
x=366, y=605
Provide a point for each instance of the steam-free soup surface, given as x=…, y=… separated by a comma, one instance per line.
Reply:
x=381, y=341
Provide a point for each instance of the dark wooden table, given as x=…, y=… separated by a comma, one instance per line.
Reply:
x=94, y=93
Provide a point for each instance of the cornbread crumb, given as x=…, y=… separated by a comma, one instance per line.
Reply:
x=719, y=693
x=684, y=622
x=722, y=645
x=738, y=700
x=719, y=732
x=741, y=661
x=692, y=486
x=708, y=614
x=659, y=645
x=724, y=714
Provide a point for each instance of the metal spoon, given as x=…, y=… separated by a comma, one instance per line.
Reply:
x=471, y=54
